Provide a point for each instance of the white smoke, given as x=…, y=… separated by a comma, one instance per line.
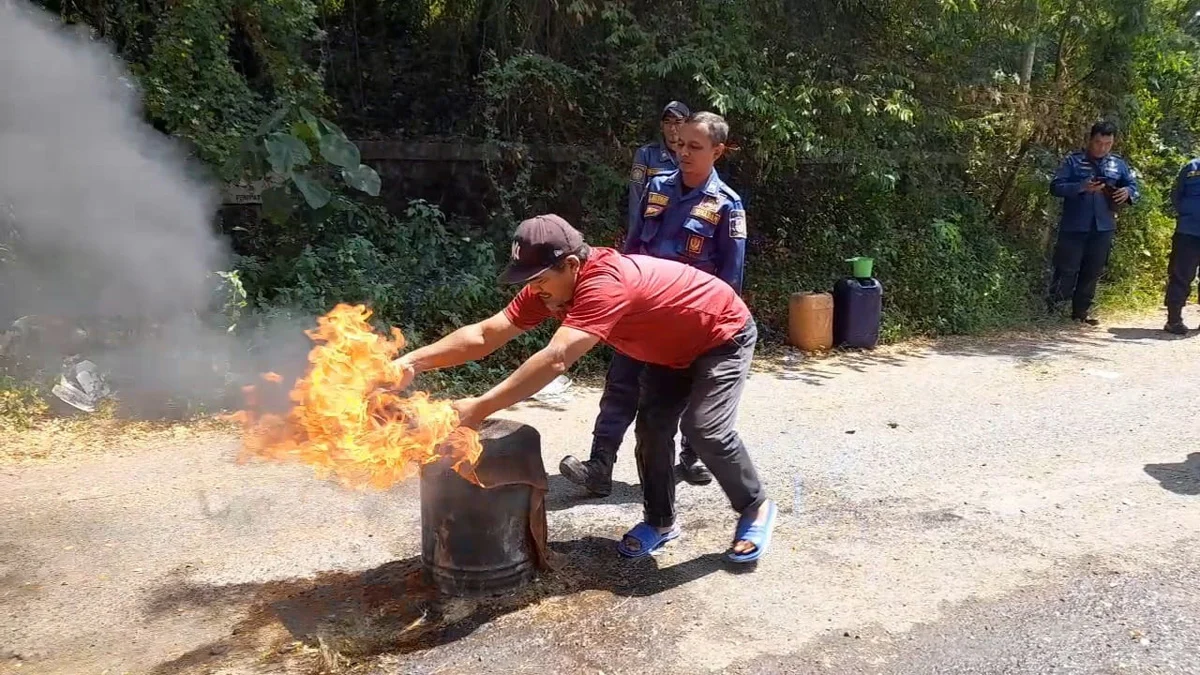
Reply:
x=112, y=227
x=109, y=221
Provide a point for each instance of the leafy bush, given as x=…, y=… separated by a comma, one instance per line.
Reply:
x=316, y=246
x=834, y=107
x=21, y=404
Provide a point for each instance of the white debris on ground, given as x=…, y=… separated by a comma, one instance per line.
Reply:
x=82, y=386
x=556, y=393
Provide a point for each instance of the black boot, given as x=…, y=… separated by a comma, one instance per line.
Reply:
x=595, y=474
x=1175, y=324
x=690, y=467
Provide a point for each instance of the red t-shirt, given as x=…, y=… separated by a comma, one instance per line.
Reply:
x=653, y=310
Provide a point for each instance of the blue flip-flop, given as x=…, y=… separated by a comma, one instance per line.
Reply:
x=648, y=538
x=757, y=534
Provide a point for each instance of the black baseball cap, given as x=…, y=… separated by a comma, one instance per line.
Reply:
x=539, y=244
x=676, y=109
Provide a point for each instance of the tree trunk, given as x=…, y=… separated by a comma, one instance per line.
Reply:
x=1027, y=62
x=1030, y=55
x=1060, y=58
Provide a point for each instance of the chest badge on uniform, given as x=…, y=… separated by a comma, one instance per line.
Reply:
x=709, y=209
x=695, y=244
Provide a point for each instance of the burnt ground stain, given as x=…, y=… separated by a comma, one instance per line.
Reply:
x=394, y=609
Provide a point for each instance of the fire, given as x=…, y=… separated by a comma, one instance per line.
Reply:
x=348, y=421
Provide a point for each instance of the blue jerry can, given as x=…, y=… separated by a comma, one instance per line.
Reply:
x=857, y=313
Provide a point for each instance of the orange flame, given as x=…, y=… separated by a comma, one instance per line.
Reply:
x=347, y=423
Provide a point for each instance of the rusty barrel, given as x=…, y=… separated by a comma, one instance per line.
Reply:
x=482, y=540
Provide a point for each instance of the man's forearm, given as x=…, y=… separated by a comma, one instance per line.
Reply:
x=527, y=380
x=463, y=345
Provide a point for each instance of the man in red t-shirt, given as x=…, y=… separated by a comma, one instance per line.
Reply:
x=691, y=329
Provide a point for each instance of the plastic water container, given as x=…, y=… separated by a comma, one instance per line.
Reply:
x=810, y=321
x=857, y=312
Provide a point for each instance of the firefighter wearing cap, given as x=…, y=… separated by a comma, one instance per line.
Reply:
x=694, y=334
x=657, y=158
x=690, y=216
x=1185, y=245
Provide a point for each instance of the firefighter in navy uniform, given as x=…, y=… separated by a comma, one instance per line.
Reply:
x=1093, y=184
x=1185, y=245
x=690, y=216
x=657, y=158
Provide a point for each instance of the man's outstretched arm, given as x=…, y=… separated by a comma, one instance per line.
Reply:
x=566, y=347
x=469, y=343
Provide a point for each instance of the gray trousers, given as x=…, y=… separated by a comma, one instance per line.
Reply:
x=700, y=400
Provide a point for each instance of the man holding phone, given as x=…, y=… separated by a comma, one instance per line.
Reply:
x=1093, y=184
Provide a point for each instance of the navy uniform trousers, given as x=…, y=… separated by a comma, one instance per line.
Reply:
x=618, y=408
x=1079, y=262
x=1181, y=272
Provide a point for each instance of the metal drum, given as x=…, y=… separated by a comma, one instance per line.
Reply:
x=475, y=540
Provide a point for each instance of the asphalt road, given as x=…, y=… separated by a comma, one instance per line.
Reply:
x=1020, y=505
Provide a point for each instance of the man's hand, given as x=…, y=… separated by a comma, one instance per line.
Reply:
x=1093, y=185
x=405, y=371
x=469, y=414
x=1122, y=195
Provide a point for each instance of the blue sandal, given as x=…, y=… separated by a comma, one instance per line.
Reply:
x=757, y=534
x=648, y=538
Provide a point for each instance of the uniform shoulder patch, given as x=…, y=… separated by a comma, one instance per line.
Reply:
x=652, y=210
x=737, y=224
x=729, y=192
x=658, y=199
x=638, y=175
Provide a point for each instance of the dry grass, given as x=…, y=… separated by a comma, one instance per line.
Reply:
x=56, y=439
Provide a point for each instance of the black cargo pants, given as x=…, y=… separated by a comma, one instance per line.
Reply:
x=1181, y=271
x=700, y=400
x=1079, y=262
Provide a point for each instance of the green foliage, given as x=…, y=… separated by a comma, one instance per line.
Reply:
x=920, y=132
x=231, y=297
x=282, y=153
x=21, y=404
x=906, y=130
x=318, y=246
x=209, y=69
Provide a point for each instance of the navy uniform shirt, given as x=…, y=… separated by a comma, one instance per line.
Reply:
x=1185, y=197
x=704, y=228
x=650, y=161
x=1087, y=211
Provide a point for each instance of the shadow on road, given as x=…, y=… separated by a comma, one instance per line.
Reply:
x=816, y=370
x=1142, y=334
x=1182, y=478
x=1053, y=340
x=393, y=609
x=563, y=494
